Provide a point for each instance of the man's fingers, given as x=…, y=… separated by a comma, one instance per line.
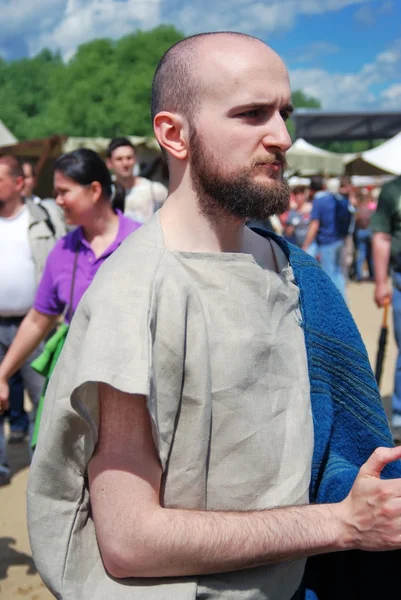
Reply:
x=379, y=459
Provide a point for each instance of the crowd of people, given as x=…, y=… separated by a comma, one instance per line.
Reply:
x=330, y=220
x=211, y=428
x=45, y=270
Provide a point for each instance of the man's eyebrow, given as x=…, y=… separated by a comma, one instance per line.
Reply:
x=288, y=108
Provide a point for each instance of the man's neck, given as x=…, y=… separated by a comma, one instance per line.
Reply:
x=11, y=208
x=187, y=229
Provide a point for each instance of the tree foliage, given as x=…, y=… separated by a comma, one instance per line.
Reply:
x=104, y=90
x=301, y=100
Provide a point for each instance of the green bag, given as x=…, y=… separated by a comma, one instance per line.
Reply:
x=44, y=364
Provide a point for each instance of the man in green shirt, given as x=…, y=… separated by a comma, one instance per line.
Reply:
x=386, y=226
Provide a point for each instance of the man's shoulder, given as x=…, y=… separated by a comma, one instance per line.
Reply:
x=391, y=190
x=48, y=212
x=138, y=255
x=143, y=183
x=319, y=204
x=323, y=196
x=158, y=186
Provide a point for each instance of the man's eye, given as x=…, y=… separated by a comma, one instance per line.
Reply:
x=284, y=115
x=251, y=114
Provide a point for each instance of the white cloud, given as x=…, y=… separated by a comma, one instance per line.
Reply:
x=249, y=16
x=391, y=97
x=84, y=20
x=365, y=16
x=322, y=6
x=64, y=24
x=339, y=91
x=312, y=52
x=386, y=8
x=336, y=91
x=29, y=16
x=368, y=14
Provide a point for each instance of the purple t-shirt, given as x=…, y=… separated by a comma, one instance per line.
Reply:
x=53, y=294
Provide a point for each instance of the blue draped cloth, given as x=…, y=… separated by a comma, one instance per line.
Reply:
x=349, y=424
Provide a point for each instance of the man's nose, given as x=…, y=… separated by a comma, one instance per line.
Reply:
x=277, y=135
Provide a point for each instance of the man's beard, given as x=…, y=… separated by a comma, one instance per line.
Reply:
x=221, y=193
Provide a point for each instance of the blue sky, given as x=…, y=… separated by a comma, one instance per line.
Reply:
x=346, y=53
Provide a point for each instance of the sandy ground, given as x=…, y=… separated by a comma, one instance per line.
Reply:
x=18, y=577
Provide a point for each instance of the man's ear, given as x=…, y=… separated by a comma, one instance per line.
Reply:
x=172, y=134
x=19, y=182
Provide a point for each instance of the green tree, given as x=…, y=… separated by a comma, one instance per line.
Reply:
x=103, y=90
x=24, y=90
x=301, y=100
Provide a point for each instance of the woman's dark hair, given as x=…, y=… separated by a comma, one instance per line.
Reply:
x=84, y=167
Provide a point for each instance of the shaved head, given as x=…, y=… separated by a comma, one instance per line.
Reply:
x=13, y=165
x=219, y=106
x=178, y=83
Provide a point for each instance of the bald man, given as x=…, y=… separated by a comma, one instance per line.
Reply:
x=175, y=455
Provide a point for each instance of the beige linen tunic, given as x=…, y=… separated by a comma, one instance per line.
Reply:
x=215, y=343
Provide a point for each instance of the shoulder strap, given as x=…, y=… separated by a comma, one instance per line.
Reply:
x=74, y=272
x=274, y=255
x=152, y=192
x=48, y=219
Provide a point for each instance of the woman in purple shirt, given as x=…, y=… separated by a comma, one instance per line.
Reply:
x=88, y=197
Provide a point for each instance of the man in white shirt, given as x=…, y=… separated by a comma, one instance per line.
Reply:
x=30, y=181
x=27, y=234
x=142, y=196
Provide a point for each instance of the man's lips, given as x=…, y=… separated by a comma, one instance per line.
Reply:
x=273, y=166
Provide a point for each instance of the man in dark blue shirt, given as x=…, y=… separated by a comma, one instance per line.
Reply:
x=324, y=229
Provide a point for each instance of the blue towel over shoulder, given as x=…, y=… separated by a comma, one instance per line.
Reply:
x=349, y=424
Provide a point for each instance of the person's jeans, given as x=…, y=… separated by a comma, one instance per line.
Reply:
x=313, y=250
x=397, y=333
x=32, y=381
x=363, y=238
x=17, y=416
x=331, y=259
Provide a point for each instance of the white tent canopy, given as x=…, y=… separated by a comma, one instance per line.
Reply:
x=385, y=159
x=6, y=137
x=305, y=159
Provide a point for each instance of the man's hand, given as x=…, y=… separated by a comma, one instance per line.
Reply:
x=4, y=393
x=372, y=509
x=382, y=293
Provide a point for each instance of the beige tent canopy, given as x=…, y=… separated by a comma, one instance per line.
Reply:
x=6, y=137
x=43, y=152
x=382, y=160
x=304, y=159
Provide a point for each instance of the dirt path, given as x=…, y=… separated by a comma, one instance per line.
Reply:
x=18, y=577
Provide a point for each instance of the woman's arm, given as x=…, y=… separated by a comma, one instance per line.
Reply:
x=31, y=332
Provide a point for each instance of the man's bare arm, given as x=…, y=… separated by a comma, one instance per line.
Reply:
x=139, y=538
x=381, y=258
x=312, y=233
